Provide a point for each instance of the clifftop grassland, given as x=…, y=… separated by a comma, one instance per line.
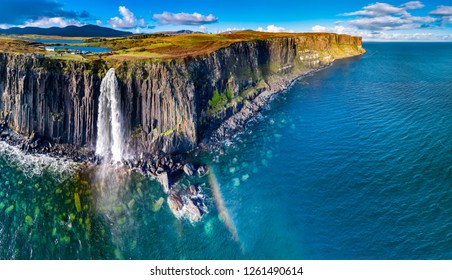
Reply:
x=157, y=46
x=10, y=45
x=171, y=47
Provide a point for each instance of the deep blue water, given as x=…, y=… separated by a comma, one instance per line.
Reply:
x=352, y=162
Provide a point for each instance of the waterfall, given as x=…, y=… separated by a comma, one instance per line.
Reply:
x=110, y=137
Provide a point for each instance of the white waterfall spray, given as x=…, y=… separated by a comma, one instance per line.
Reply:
x=110, y=137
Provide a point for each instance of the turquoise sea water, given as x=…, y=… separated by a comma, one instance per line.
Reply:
x=353, y=162
x=83, y=49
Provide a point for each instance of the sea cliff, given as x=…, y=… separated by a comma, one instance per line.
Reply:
x=169, y=105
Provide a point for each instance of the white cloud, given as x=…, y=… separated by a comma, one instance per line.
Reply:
x=426, y=19
x=377, y=9
x=384, y=17
x=45, y=22
x=369, y=35
x=51, y=21
x=419, y=36
x=319, y=28
x=273, y=28
x=184, y=18
x=442, y=11
x=233, y=29
x=445, y=12
x=128, y=19
x=98, y=22
x=203, y=28
x=413, y=5
x=383, y=23
x=340, y=29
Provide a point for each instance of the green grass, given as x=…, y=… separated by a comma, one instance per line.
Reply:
x=167, y=132
x=160, y=46
x=68, y=56
x=219, y=101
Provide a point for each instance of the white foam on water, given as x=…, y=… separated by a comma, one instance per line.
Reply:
x=35, y=164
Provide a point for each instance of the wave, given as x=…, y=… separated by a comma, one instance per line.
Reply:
x=37, y=164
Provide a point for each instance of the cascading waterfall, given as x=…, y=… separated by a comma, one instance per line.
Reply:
x=110, y=137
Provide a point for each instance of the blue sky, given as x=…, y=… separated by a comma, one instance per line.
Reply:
x=386, y=20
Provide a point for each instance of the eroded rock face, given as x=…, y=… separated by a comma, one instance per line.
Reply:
x=167, y=104
x=39, y=96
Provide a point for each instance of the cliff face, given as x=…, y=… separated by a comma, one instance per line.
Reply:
x=168, y=106
x=56, y=100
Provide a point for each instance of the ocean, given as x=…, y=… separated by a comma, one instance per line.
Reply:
x=351, y=162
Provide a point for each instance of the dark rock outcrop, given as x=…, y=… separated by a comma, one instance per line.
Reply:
x=188, y=203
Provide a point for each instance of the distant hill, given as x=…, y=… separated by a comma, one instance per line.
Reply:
x=179, y=32
x=68, y=31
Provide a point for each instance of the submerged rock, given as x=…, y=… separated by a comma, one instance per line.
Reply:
x=157, y=205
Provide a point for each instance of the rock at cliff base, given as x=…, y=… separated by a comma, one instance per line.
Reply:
x=163, y=179
x=193, y=212
x=189, y=169
x=202, y=170
x=175, y=204
x=191, y=191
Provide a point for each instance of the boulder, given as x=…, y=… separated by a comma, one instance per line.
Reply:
x=202, y=170
x=163, y=179
x=175, y=204
x=189, y=169
x=192, y=211
x=192, y=191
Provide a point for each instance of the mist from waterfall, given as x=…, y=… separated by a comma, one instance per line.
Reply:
x=110, y=136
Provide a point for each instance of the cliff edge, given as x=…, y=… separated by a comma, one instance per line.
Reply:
x=169, y=104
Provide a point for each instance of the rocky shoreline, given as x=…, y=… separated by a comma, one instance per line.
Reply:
x=171, y=107
x=161, y=167
x=184, y=202
x=237, y=122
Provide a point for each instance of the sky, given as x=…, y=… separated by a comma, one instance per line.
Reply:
x=375, y=21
